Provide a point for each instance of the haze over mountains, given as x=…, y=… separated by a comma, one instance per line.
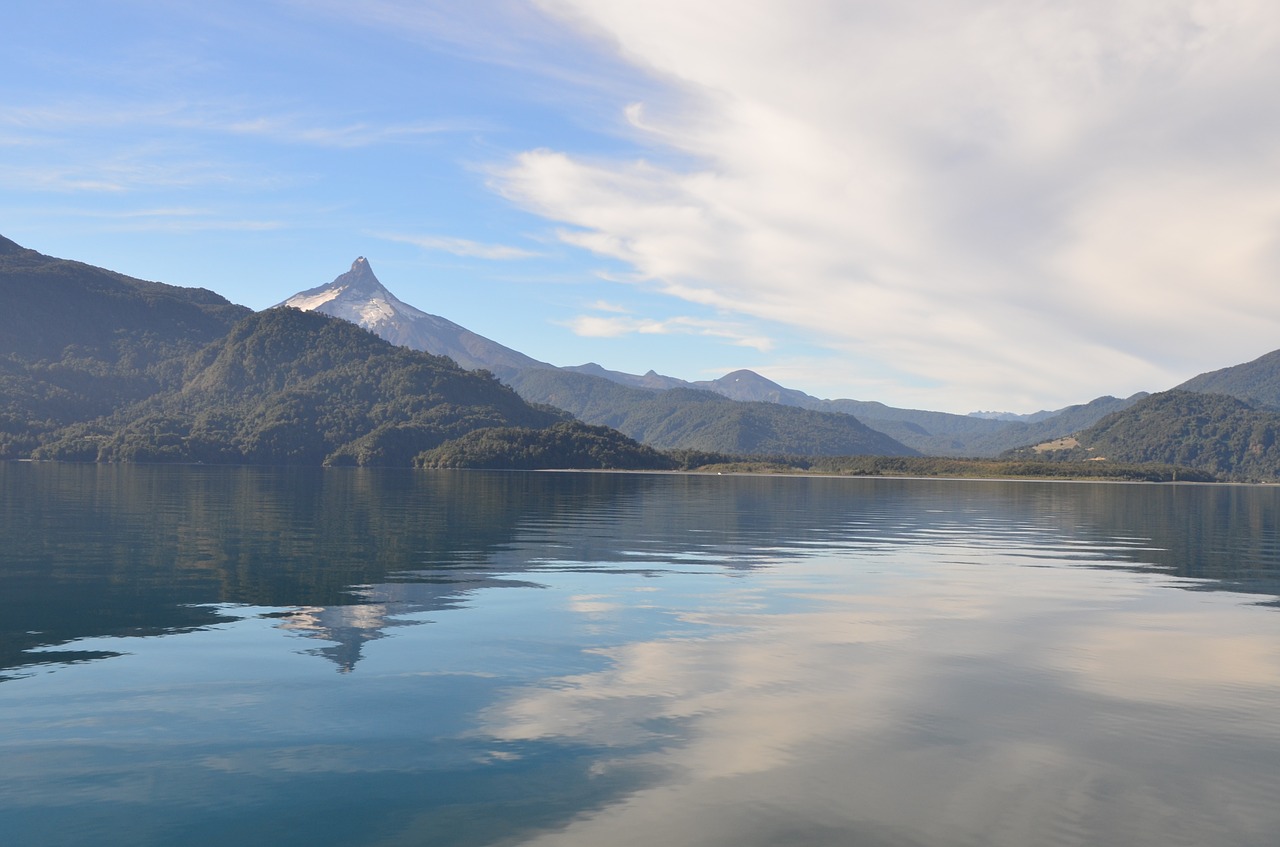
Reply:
x=97, y=366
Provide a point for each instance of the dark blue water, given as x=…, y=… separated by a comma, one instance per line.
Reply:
x=209, y=656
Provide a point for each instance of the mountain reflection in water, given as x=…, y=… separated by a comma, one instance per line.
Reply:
x=568, y=659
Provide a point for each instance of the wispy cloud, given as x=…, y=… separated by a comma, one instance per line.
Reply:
x=460, y=246
x=555, y=61
x=137, y=168
x=224, y=117
x=165, y=219
x=615, y=326
x=360, y=134
x=1025, y=204
x=606, y=306
x=174, y=225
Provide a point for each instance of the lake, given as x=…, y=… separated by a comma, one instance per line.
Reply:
x=211, y=656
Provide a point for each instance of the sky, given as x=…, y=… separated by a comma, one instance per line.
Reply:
x=940, y=204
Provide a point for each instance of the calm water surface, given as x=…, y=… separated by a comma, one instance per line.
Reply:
x=196, y=656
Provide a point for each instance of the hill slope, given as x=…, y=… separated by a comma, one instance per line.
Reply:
x=1256, y=382
x=931, y=433
x=686, y=418
x=291, y=387
x=1211, y=432
x=77, y=342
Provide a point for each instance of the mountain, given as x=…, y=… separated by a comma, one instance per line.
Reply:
x=359, y=297
x=56, y=309
x=571, y=444
x=693, y=419
x=652, y=379
x=931, y=433
x=1256, y=382
x=98, y=366
x=751, y=387
x=1216, y=433
x=292, y=387
x=78, y=341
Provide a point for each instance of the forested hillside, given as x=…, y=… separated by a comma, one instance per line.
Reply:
x=685, y=418
x=292, y=387
x=1210, y=432
x=1256, y=382
x=78, y=342
x=98, y=366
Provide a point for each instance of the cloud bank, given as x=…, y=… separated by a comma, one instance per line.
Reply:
x=982, y=204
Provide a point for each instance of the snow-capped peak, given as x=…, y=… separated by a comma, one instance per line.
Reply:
x=357, y=296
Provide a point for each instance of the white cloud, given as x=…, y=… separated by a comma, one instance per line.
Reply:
x=505, y=33
x=606, y=306
x=461, y=246
x=1021, y=204
x=615, y=326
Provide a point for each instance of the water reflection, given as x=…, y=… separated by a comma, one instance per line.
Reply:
x=972, y=705
x=94, y=551
x=571, y=659
x=99, y=551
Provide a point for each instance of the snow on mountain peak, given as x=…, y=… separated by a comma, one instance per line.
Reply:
x=358, y=296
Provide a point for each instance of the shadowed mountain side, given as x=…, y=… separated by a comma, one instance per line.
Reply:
x=55, y=309
x=1256, y=382
x=77, y=341
x=292, y=387
x=684, y=418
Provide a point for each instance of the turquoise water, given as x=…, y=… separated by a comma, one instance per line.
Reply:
x=347, y=657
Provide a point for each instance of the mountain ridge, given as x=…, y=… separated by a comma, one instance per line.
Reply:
x=360, y=297
x=688, y=418
x=1256, y=381
x=1216, y=433
x=98, y=365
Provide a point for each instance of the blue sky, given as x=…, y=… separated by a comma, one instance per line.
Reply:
x=947, y=205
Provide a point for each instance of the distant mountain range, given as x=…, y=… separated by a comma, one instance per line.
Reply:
x=98, y=366
x=693, y=419
x=667, y=412
x=663, y=412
